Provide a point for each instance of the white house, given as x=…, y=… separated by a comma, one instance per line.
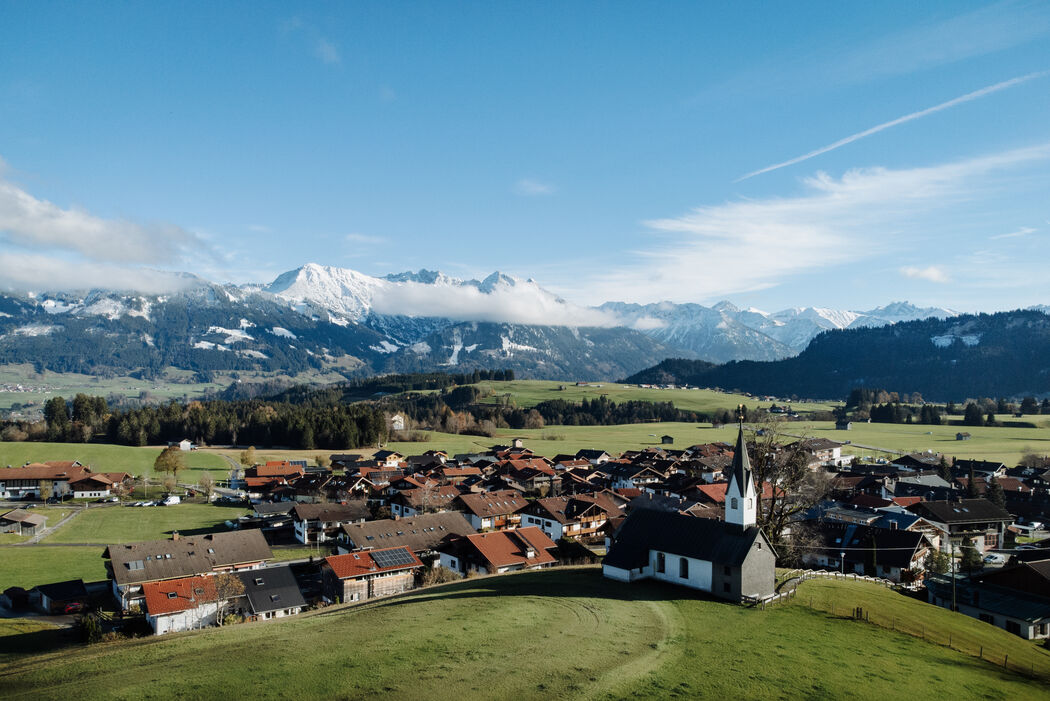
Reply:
x=180, y=604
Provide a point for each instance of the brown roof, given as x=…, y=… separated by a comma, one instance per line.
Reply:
x=506, y=548
x=91, y=477
x=498, y=503
x=185, y=555
x=42, y=471
x=417, y=533
x=23, y=516
x=361, y=564
x=332, y=513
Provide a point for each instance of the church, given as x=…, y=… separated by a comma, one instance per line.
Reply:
x=730, y=559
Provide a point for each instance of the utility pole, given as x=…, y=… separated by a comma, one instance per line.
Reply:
x=953, y=571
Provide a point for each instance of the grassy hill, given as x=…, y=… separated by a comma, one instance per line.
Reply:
x=102, y=457
x=553, y=634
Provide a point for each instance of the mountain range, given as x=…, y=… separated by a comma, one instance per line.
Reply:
x=325, y=318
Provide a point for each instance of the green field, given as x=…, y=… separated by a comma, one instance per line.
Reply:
x=555, y=634
x=29, y=565
x=527, y=393
x=54, y=514
x=986, y=443
x=126, y=524
x=110, y=458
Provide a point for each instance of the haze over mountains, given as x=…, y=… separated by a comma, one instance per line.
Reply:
x=323, y=317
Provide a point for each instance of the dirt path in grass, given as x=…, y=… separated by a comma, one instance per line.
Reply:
x=50, y=529
x=646, y=660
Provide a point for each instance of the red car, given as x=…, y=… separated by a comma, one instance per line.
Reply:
x=73, y=607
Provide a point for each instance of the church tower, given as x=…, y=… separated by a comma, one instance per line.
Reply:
x=741, y=499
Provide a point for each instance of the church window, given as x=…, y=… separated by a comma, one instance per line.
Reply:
x=683, y=568
x=748, y=502
x=733, y=503
x=660, y=565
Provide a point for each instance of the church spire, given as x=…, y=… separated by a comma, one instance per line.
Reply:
x=741, y=509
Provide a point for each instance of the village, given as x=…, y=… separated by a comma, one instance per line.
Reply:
x=967, y=535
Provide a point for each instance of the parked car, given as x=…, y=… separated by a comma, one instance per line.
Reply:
x=73, y=607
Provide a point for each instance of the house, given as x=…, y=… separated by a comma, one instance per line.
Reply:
x=821, y=450
x=360, y=576
x=91, y=485
x=623, y=476
x=959, y=521
x=731, y=560
x=525, y=548
x=893, y=554
x=276, y=469
x=131, y=565
x=185, y=445
x=843, y=425
x=962, y=436
x=594, y=457
x=410, y=502
x=397, y=422
x=320, y=523
x=28, y=481
x=271, y=593
x=22, y=522
x=666, y=440
x=55, y=598
x=578, y=516
x=423, y=535
x=388, y=458
x=1015, y=598
x=497, y=510
x=176, y=605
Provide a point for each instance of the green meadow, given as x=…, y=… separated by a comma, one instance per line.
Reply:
x=564, y=633
x=102, y=457
x=127, y=524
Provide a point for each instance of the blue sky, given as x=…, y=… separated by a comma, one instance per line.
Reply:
x=603, y=149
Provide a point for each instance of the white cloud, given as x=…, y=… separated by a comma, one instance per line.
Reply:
x=931, y=273
x=34, y=223
x=531, y=188
x=34, y=272
x=327, y=51
x=976, y=94
x=364, y=239
x=1023, y=231
x=748, y=245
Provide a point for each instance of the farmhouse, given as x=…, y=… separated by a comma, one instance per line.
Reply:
x=958, y=521
x=421, y=534
x=132, y=565
x=319, y=523
x=28, y=481
x=579, y=516
x=499, y=509
x=525, y=548
x=367, y=575
x=732, y=559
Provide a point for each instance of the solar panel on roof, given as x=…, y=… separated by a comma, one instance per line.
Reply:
x=393, y=558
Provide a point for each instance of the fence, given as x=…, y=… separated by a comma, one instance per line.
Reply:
x=1030, y=663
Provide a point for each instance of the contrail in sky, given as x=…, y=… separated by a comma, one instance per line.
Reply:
x=900, y=120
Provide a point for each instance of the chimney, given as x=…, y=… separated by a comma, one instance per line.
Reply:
x=175, y=535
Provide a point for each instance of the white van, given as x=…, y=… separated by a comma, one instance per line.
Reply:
x=171, y=500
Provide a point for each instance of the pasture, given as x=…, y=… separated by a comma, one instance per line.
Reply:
x=101, y=457
x=553, y=634
x=528, y=393
x=29, y=565
x=127, y=524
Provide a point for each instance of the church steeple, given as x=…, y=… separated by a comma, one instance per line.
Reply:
x=741, y=502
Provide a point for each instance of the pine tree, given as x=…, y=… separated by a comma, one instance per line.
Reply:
x=995, y=493
x=971, y=486
x=971, y=559
x=943, y=471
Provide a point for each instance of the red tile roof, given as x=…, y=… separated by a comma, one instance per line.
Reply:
x=42, y=471
x=174, y=595
x=361, y=563
x=506, y=548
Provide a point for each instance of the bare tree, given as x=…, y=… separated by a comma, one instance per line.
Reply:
x=227, y=588
x=47, y=488
x=248, y=456
x=322, y=460
x=793, y=486
x=206, y=484
x=170, y=483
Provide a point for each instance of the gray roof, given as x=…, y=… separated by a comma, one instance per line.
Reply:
x=274, y=509
x=418, y=533
x=154, y=560
x=271, y=589
x=699, y=538
x=741, y=464
x=961, y=511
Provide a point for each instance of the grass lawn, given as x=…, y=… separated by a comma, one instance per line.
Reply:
x=986, y=443
x=54, y=514
x=528, y=393
x=29, y=565
x=554, y=634
x=126, y=524
x=109, y=458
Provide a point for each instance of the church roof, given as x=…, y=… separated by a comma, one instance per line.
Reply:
x=688, y=536
x=741, y=471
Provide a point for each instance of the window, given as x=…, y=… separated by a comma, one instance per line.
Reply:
x=1013, y=627
x=726, y=587
x=733, y=503
x=660, y=564
x=258, y=581
x=172, y=595
x=727, y=570
x=987, y=618
x=683, y=568
x=747, y=503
